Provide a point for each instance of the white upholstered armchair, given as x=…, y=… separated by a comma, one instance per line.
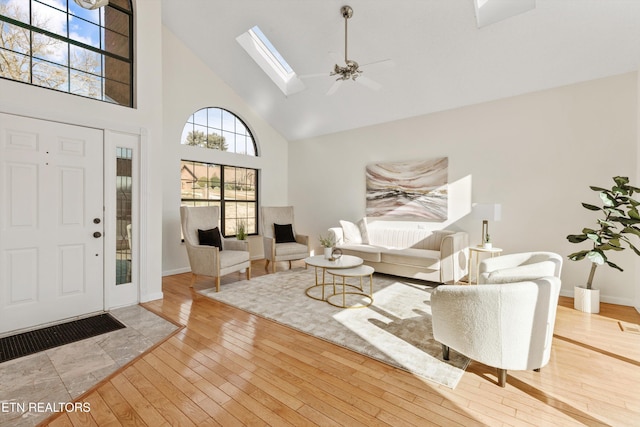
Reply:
x=506, y=326
x=281, y=242
x=520, y=266
x=201, y=222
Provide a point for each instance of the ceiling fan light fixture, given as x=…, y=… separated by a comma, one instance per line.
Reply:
x=91, y=4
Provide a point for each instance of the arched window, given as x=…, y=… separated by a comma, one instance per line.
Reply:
x=219, y=129
x=231, y=187
x=59, y=45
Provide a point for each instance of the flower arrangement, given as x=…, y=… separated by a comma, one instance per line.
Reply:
x=327, y=241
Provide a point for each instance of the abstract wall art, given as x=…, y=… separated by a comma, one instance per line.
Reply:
x=412, y=189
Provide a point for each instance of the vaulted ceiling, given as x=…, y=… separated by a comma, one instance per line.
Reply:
x=442, y=60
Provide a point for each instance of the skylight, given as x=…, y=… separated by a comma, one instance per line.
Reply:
x=264, y=53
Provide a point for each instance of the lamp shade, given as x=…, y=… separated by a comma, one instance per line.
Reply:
x=487, y=211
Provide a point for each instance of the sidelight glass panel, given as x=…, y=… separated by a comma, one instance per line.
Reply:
x=124, y=247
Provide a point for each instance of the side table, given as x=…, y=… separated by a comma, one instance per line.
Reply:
x=493, y=252
x=360, y=272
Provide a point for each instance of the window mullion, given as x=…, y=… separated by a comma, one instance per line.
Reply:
x=222, y=200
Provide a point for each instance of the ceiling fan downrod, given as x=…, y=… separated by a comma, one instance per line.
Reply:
x=351, y=69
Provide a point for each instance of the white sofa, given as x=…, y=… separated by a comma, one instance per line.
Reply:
x=437, y=256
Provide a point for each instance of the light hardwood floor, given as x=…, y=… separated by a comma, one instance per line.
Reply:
x=231, y=368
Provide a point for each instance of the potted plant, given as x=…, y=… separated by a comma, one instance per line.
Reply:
x=327, y=242
x=241, y=230
x=619, y=219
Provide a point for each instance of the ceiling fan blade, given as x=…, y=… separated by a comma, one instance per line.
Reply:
x=312, y=76
x=366, y=81
x=334, y=87
x=379, y=65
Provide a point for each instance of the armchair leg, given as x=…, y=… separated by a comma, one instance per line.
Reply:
x=193, y=280
x=537, y=370
x=502, y=377
x=445, y=352
x=266, y=266
x=289, y=264
x=218, y=284
x=249, y=272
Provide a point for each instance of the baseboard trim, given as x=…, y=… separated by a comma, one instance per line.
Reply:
x=604, y=298
x=176, y=271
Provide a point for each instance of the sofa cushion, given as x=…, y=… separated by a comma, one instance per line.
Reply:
x=417, y=257
x=366, y=252
x=355, y=233
x=290, y=248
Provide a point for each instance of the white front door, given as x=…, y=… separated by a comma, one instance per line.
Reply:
x=51, y=222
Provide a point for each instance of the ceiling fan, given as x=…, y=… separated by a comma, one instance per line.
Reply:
x=351, y=69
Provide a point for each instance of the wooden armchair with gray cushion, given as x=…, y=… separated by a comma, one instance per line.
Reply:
x=209, y=253
x=281, y=242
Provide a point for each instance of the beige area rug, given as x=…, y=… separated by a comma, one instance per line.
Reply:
x=395, y=329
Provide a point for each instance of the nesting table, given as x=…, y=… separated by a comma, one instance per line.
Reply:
x=346, y=266
x=360, y=272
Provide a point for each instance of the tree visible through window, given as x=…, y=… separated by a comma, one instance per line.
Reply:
x=218, y=129
x=59, y=45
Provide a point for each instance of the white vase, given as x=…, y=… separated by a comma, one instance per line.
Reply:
x=487, y=245
x=586, y=300
x=327, y=253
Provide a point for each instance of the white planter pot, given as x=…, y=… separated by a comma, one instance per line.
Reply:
x=586, y=300
x=327, y=253
x=487, y=245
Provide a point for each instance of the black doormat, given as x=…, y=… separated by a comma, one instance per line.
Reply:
x=36, y=341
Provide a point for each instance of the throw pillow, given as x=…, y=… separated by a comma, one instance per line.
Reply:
x=351, y=232
x=284, y=233
x=362, y=225
x=210, y=237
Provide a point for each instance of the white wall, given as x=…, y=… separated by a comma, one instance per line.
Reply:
x=40, y=103
x=188, y=86
x=536, y=154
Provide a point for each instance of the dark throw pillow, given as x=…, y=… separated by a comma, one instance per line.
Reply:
x=283, y=233
x=210, y=237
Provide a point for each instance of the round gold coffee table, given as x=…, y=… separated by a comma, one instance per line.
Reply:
x=360, y=272
x=319, y=261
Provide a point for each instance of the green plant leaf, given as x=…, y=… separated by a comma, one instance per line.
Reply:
x=592, y=207
x=597, y=188
x=607, y=247
x=577, y=256
x=621, y=181
x=596, y=257
x=610, y=264
x=631, y=230
x=593, y=237
x=577, y=238
x=607, y=200
x=634, y=248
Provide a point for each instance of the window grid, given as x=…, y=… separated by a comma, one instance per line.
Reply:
x=233, y=189
x=218, y=129
x=108, y=82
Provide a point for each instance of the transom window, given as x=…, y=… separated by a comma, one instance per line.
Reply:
x=218, y=129
x=233, y=189
x=59, y=45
